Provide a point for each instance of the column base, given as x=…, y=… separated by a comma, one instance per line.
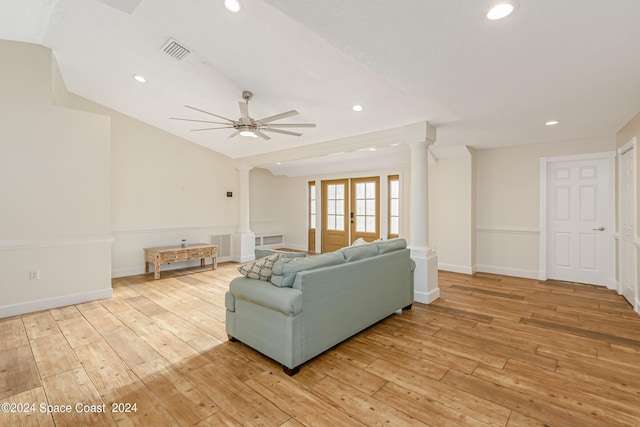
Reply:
x=425, y=276
x=244, y=244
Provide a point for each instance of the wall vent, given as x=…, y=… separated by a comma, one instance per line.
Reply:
x=175, y=50
x=224, y=244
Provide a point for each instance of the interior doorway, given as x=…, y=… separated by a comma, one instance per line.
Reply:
x=577, y=213
x=627, y=221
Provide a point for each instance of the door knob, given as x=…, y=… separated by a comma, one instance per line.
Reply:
x=601, y=228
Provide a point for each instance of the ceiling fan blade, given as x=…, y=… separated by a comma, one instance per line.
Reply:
x=278, y=116
x=286, y=132
x=221, y=127
x=234, y=134
x=292, y=125
x=244, y=111
x=200, y=121
x=261, y=135
x=211, y=114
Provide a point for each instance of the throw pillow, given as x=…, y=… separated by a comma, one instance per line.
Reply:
x=259, y=269
x=359, y=241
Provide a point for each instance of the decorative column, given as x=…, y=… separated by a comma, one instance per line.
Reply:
x=419, y=137
x=244, y=239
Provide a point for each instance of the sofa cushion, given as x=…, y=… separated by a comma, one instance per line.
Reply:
x=385, y=246
x=259, y=269
x=285, y=269
x=354, y=253
x=287, y=301
x=262, y=253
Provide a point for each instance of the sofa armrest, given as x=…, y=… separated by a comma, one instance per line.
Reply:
x=285, y=300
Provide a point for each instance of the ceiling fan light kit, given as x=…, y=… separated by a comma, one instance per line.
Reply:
x=247, y=126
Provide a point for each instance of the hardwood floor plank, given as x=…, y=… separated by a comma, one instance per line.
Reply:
x=471, y=405
x=40, y=324
x=12, y=333
x=60, y=394
x=424, y=409
x=33, y=416
x=104, y=367
x=53, y=355
x=18, y=371
x=78, y=331
x=361, y=406
x=304, y=406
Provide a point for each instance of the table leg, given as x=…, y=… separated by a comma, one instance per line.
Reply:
x=214, y=261
x=201, y=262
x=156, y=270
x=146, y=266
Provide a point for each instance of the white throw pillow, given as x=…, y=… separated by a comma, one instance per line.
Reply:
x=259, y=269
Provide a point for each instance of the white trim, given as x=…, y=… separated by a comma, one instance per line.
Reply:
x=463, y=269
x=505, y=229
x=49, y=303
x=53, y=243
x=426, y=297
x=505, y=271
x=544, y=161
x=230, y=229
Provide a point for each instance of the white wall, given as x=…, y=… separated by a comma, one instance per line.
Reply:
x=55, y=175
x=507, y=203
x=451, y=213
x=163, y=189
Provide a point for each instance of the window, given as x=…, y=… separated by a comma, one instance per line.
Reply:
x=394, y=206
x=312, y=205
x=366, y=207
x=335, y=207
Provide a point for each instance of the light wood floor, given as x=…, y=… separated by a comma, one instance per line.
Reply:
x=493, y=350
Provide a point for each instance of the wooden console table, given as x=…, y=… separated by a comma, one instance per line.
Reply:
x=169, y=254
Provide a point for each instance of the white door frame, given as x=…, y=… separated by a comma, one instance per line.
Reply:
x=631, y=145
x=611, y=282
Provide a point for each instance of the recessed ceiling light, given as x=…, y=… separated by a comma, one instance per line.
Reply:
x=139, y=78
x=552, y=122
x=232, y=5
x=501, y=10
x=357, y=108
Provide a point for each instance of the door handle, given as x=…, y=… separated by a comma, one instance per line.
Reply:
x=601, y=228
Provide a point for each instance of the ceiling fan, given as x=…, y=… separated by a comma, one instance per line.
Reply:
x=246, y=126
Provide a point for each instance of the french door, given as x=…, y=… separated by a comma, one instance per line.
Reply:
x=365, y=209
x=335, y=199
x=350, y=210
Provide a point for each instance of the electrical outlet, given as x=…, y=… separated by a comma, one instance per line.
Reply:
x=34, y=275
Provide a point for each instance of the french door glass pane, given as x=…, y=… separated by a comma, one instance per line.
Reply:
x=394, y=229
x=370, y=190
x=395, y=211
x=395, y=189
x=331, y=207
x=360, y=207
x=339, y=223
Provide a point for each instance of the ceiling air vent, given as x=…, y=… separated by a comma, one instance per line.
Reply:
x=175, y=50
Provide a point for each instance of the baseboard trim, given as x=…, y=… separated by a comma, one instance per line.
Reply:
x=55, y=302
x=463, y=269
x=426, y=297
x=505, y=271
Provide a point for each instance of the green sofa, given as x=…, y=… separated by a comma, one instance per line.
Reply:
x=313, y=303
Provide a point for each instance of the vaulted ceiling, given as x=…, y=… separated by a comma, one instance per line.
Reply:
x=482, y=83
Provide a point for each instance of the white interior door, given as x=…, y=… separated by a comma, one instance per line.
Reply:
x=627, y=225
x=578, y=220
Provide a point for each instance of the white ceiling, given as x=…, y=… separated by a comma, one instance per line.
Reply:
x=482, y=83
